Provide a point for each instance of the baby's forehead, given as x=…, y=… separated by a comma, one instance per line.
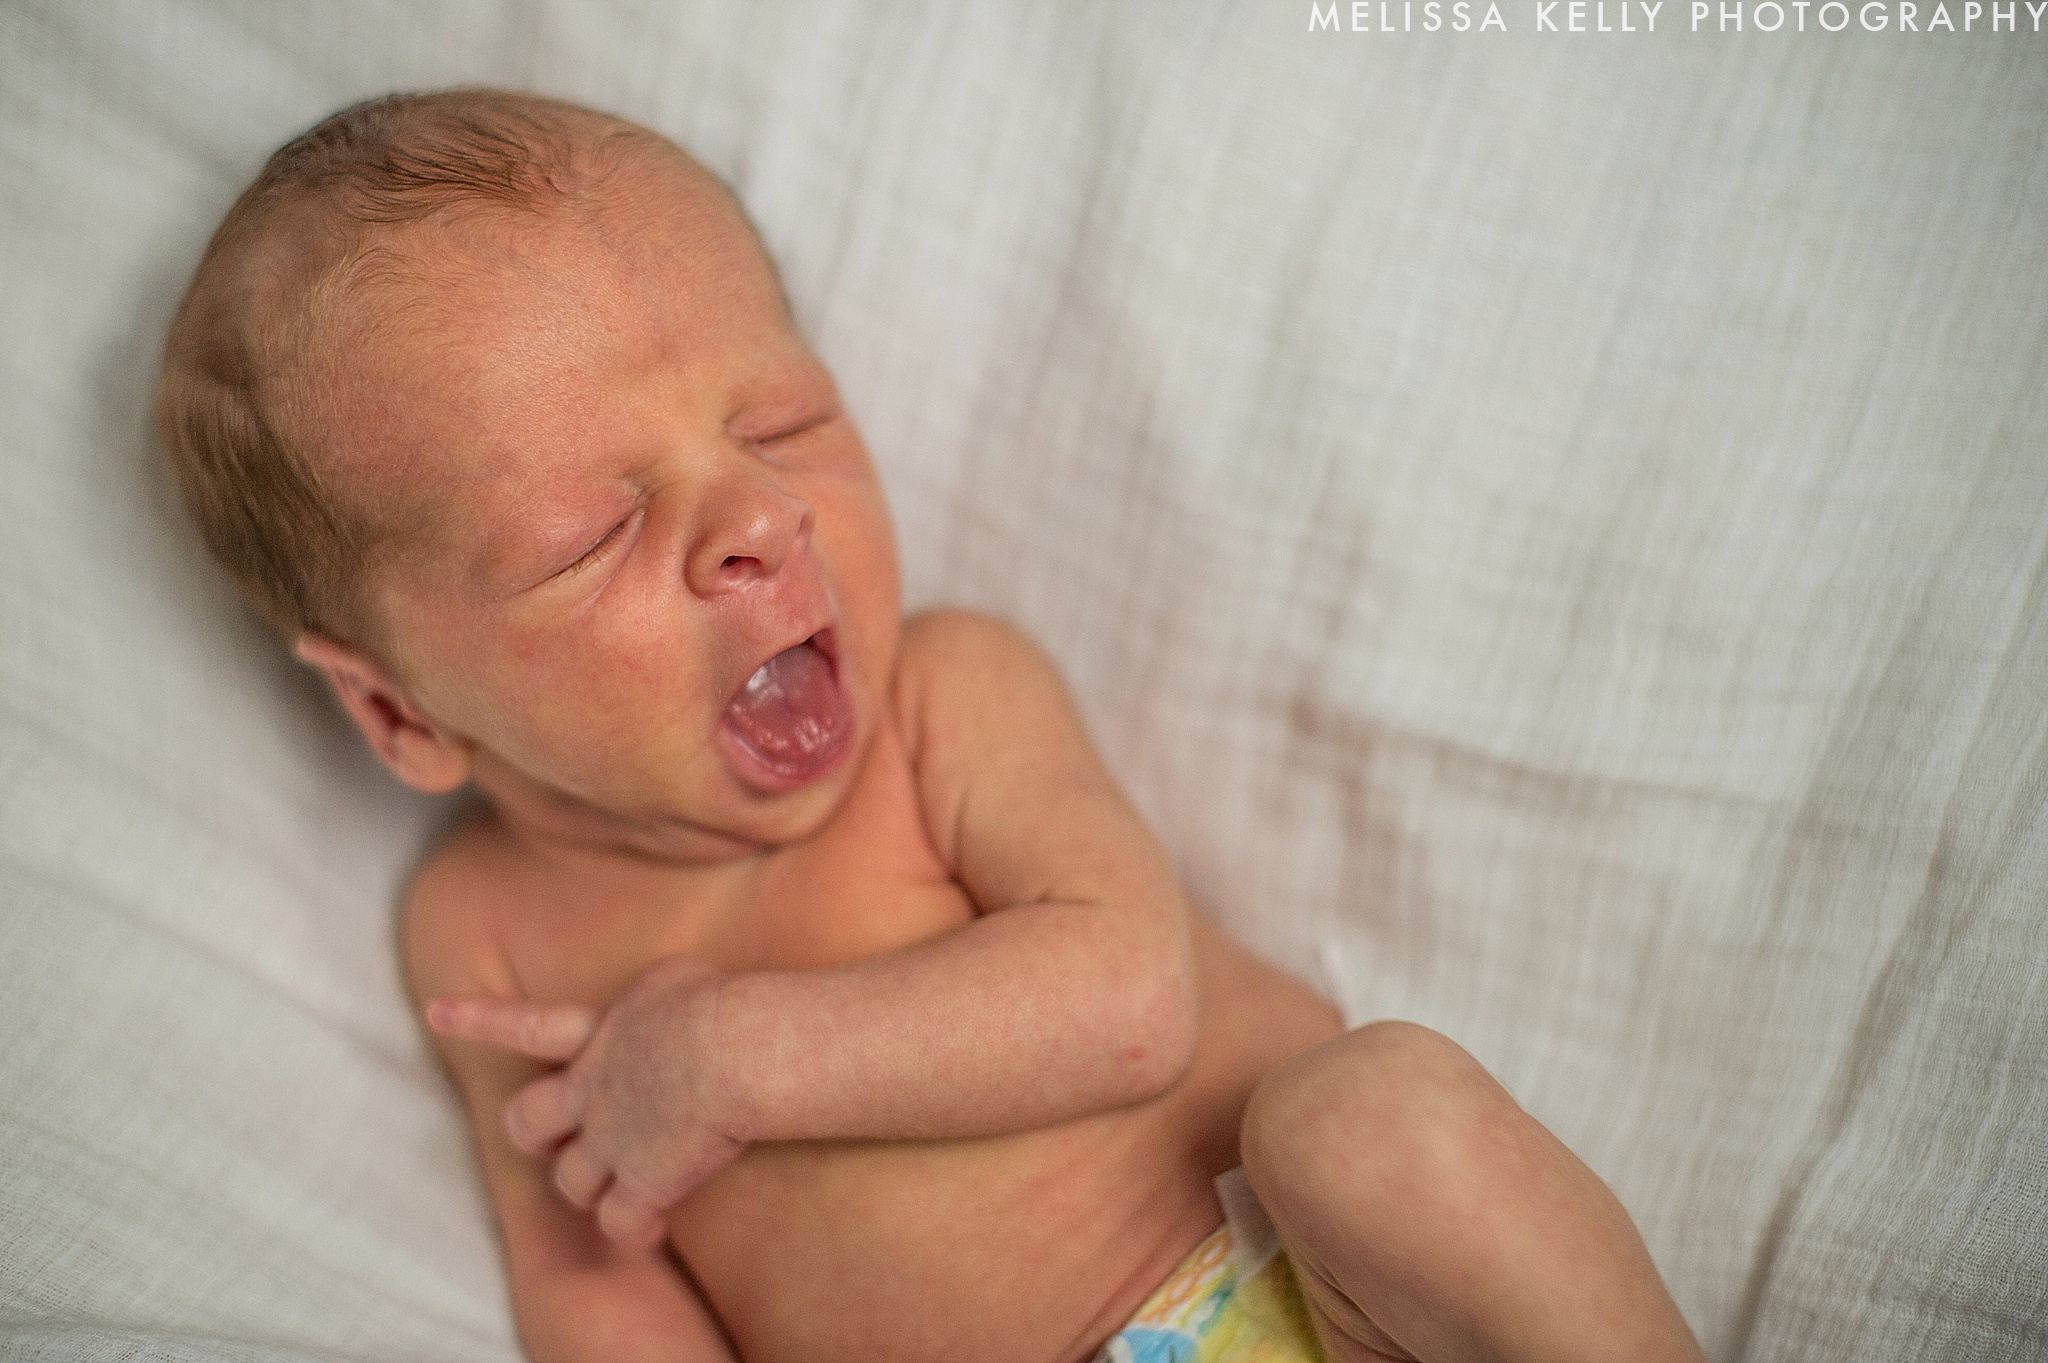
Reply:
x=447, y=309
x=461, y=317
x=653, y=217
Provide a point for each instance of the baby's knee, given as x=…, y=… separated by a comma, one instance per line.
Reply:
x=1390, y=1120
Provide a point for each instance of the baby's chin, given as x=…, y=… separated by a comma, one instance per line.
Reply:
x=734, y=814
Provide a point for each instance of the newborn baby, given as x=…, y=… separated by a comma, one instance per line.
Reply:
x=814, y=993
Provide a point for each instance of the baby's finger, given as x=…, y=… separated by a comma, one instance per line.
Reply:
x=628, y=1219
x=545, y=1031
x=579, y=1176
x=541, y=1114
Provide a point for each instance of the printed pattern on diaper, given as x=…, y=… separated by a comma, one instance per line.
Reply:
x=1203, y=1313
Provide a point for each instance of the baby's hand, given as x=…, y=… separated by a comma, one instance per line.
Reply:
x=639, y=1115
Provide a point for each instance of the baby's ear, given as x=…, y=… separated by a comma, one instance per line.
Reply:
x=405, y=738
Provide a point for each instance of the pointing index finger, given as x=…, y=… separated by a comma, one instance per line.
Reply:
x=544, y=1031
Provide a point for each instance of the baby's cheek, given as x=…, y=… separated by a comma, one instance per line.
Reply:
x=862, y=550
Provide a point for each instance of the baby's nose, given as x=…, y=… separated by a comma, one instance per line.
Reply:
x=746, y=532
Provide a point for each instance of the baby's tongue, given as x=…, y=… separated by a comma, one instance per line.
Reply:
x=792, y=713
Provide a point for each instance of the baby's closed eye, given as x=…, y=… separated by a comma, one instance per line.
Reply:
x=602, y=548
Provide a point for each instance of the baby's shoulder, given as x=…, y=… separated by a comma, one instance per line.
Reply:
x=950, y=635
x=951, y=657
x=977, y=700
x=447, y=928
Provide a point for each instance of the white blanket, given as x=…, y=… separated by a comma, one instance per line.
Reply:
x=1550, y=527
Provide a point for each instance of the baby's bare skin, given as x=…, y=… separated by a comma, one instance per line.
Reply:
x=1030, y=1246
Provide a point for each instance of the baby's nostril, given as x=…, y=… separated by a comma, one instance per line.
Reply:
x=730, y=560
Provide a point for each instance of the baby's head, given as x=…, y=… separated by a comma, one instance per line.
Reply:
x=493, y=406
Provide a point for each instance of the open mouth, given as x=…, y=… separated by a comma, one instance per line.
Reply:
x=792, y=719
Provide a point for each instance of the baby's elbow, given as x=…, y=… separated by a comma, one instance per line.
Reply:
x=1160, y=1044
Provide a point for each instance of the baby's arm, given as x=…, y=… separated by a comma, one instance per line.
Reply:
x=1071, y=993
x=575, y=1294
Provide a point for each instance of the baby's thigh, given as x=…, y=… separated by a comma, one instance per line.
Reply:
x=1373, y=1152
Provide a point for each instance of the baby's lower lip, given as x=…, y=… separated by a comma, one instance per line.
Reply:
x=792, y=721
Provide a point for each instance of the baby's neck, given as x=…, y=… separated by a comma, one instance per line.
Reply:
x=556, y=827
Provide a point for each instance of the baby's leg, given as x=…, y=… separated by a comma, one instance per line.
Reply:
x=1428, y=1217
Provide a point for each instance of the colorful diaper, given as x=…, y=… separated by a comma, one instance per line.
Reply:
x=1233, y=1300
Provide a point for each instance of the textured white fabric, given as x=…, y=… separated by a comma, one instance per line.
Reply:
x=1552, y=529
